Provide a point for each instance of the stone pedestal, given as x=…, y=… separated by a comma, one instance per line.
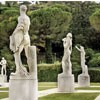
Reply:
x=5, y=78
x=1, y=80
x=83, y=80
x=23, y=88
x=65, y=83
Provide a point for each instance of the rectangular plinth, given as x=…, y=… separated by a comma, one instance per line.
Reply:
x=23, y=89
x=66, y=83
x=83, y=80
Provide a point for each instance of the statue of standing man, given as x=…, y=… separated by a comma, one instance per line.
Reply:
x=20, y=40
x=3, y=69
x=66, y=62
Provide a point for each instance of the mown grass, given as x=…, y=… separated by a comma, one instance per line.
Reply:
x=71, y=96
x=41, y=86
x=87, y=88
x=95, y=84
x=4, y=89
x=3, y=95
x=47, y=84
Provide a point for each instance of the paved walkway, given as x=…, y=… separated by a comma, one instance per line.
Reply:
x=97, y=98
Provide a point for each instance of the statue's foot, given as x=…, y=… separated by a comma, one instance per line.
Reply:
x=16, y=73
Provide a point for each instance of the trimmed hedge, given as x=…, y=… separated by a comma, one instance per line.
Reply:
x=49, y=73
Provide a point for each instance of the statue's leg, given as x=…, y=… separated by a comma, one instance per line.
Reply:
x=18, y=61
x=20, y=50
x=5, y=70
x=2, y=71
x=63, y=66
x=16, y=56
x=70, y=68
x=26, y=54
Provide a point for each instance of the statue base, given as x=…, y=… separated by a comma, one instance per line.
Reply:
x=3, y=79
x=65, y=83
x=83, y=80
x=23, y=88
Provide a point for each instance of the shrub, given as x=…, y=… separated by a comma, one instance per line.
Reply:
x=48, y=72
x=95, y=61
x=94, y=74
x=89, y=55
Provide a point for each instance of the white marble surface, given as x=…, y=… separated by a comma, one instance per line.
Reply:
x=83, y=80
x=66, y=83
x=23, y=89
x=66, y=61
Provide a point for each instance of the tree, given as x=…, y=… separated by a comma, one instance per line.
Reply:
x=95, y=20
x=49, y=24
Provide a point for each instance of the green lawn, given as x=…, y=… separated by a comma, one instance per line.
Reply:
x=71, y=96
x=3, y=95
x=41, y=86
x=47, y=84
x=87, y=88
x=4, y=89
x=95, y=84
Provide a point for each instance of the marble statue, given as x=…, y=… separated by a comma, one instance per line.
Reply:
x=82, y=54
x=3, y=69
x=66, y=78
x=20, y=40
x=22, y=83
x=66, y=62
x=84, y=78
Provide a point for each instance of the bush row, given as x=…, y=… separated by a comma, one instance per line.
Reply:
x=49, y=73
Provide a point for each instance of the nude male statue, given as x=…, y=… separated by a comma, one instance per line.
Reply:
x=20, y=40
x=3, y=69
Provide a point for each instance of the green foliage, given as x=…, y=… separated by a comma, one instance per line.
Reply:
x=70, y=96
x=48, y=49
x=48, y=72
x=89, y=55
x=94, y=74
x=75, y=59
x=95, y=61
x=50, y=23
x=61, y=6
x=8, y=56
x=95, y=20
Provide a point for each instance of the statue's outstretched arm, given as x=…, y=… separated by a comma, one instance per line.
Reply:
x=78, y=48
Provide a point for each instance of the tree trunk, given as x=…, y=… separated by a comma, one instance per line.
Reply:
x=48, y=47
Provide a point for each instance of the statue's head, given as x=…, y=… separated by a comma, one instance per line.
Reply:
x=23, y=8
x=82, y=47
x=69, y=35
x=3, y=58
